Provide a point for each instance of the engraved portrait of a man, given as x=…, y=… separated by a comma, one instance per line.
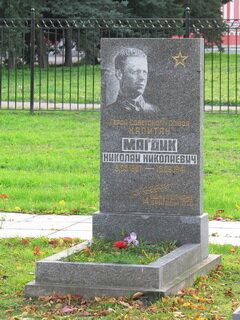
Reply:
x=131, y=71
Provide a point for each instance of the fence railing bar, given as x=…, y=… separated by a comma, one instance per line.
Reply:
x=93, y=72
x=55, y=70
x=40, y=88
x=23, y=70
x=228, y=70
x=70, y=86
x=32, y=58
x=236, y=70
x=1, y=67
x=63, y=74
x=85, y=72
x=78, y=67
x=15, y=85
x=212, y=68
x=187, y=23
x=220, y=78
x=8, y=82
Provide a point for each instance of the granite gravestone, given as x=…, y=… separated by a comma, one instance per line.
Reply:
x=151, y=172
x=151, y=144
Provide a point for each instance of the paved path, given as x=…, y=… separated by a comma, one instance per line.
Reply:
x=51, y=226
x=76, y=226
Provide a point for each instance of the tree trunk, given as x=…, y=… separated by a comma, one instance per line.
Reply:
x=11, y=60
x=68, y=48
x=41, y=49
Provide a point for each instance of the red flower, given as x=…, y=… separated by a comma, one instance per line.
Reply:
x=120, y=244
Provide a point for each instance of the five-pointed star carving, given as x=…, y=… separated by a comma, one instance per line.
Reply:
x=179, y=59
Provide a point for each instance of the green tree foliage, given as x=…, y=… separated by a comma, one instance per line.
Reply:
x=203, y=8
x=84, y=8
x=97, y=9
x=156, y=8
x=225, y=1
x=176, y=9
x=15, y=42
x=208, y=9
x=93, y=9
x=19, y=8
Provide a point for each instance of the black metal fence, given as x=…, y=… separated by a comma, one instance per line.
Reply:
x=54, y=64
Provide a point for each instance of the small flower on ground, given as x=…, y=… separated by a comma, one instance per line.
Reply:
x=17, y=209
x=62, y=202
x=132, y=239
x=120, y=244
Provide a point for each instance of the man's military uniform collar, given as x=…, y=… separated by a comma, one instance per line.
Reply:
x=132, y=104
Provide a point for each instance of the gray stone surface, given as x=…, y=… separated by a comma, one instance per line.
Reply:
x=166, y=274
x=151, y=159
x=155, y=274
x=99, y=275
x=154, y=227
x=236, y=314
x=176, y=262
x=189, y=276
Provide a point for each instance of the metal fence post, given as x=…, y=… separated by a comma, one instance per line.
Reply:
x=32, y=56
x=187, y=23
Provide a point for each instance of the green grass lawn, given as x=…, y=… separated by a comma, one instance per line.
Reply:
x=211, y=297
x=222, y=79
x=222, y=165
x=105, y=251
x=49, y=158
x=81, y=83
x=50, y=163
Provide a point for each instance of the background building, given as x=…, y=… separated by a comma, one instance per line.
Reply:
x=231, y=12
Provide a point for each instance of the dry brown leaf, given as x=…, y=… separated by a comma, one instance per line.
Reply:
x=25, y=241
x=124, y=304
x=37, y=250
x=215, y=234
x=137, y=295
x=106, y=312
x=43, y=298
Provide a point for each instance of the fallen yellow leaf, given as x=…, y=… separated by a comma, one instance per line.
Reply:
x=200, y=307
x=109, y=300
x=165, y=300
x=97, y=299
x=186, y=304
x=60, y=242
x=137, y=295
x=201, y=298
x=215, y=234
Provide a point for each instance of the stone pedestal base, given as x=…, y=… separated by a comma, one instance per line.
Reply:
x=154, y=227
x=236, y=314
x=164, y=276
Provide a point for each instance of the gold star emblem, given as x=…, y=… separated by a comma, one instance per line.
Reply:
x=179, y=59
